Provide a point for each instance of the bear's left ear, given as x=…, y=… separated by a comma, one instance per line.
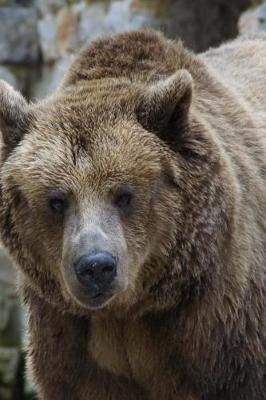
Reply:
x=14, y=116
x=164, y=106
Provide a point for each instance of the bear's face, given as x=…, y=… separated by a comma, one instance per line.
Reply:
x=87, y=184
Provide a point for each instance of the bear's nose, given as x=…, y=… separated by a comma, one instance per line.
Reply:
x=96, y=271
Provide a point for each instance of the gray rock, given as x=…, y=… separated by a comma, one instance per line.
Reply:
x=18, y=35
x=10, y=315
x=8, y=76
x=25, y=3
x=47, y=38
x=50, y=6
x=67, y=24
x=50, y=77
x=92, y=22
x=177, y=18
x=253, y=20
x=99, y=19
x=6, y=2
x=9, y=364
x=123, y=17
x=261, y=17
x=9, y=357
x=58, y=34
x=7, y=270
x=10, y=330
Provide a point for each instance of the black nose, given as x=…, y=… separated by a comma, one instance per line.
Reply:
x=96, y=270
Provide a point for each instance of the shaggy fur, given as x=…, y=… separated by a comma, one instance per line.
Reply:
x=188, y=134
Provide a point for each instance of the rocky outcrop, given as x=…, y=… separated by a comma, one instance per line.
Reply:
x=253, y=20
x=11, y=382
x=18, y=32
x=65, y=25
x=8, y=76
x=44, y=33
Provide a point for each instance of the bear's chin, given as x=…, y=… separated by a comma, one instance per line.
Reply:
x=84, y=299
x=97, y=302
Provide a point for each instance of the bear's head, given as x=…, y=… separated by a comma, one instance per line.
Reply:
x=104, y=188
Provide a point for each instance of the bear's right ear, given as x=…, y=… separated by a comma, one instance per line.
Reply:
x=14, y=116
x=164, y=107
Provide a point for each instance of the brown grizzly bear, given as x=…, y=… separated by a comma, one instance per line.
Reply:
x=133, y=201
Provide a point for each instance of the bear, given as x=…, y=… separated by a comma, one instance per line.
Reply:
x=133, y=202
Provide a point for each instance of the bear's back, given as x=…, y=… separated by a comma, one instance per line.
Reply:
x=241, y=65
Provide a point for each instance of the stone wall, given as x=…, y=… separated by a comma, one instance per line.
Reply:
x=38, y=37
x=12, y=383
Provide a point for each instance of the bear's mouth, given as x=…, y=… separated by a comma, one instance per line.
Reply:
x=97, y=295
x=92, y=300
x=99, y=300
x=91, y=294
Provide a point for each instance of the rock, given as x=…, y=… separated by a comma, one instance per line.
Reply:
x=65, y=25
x=18, y=33
x=202, y=23
x=18, y=77
x=45, y=7
x=9, y=366
x=101, y=19
x=67, y=30
x=8, y=76
x=7, y=270
x=59, y=34
x=47, y=37
x=25, y=3
x=177, y=18
x=253, y=20
x=4, y=2
x=10, y=321
x=123, y=16
x=248, y=22
x=49, y=78
x=261, y=17
x=92, y=22
x=10, y=331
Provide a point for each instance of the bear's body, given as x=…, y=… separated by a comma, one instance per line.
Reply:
x=184, y=136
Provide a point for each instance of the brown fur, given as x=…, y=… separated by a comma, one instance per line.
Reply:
x=188, y=133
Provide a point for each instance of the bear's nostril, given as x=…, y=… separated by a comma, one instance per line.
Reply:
x=88, y=273
x=108, y=269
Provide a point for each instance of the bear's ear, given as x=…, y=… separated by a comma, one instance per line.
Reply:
x=14, y=116
x=164, y=106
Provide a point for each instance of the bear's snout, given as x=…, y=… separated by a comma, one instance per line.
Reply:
x=96, y=271
x=94, y=259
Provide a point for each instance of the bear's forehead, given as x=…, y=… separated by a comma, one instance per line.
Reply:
x=87, y=108
x=95, y=133
x=85, y=135
x=96, y=119
x=63, y=149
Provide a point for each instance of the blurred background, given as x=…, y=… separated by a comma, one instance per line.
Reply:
x=38, y=40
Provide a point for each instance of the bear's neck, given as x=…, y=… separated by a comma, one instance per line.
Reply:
x=130, y=347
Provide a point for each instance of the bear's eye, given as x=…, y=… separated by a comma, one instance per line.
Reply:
x=57, y=202
x=123, y=198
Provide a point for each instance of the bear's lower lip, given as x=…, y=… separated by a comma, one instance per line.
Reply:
x=97, y=295
x=93, y=299
x=99, y=299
